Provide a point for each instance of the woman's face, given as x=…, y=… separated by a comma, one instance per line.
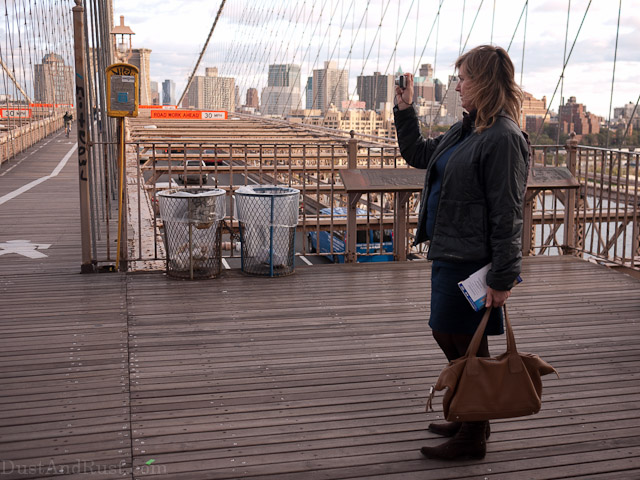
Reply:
x=464, y=88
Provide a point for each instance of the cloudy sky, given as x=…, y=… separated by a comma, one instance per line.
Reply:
x=364, y=36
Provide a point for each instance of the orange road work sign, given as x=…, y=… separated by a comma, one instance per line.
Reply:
x=189, y=114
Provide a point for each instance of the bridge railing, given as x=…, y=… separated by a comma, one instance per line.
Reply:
x=599, y=220
x=19, y=135
x=604, y=213
x=314, y=169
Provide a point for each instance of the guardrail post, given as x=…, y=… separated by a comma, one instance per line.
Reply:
x=352, y=207
x=569, y=238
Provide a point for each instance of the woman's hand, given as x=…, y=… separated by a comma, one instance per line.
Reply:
x=404, y=96
x=497, y=298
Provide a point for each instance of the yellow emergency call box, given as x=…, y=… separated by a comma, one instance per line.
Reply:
x=122, y=90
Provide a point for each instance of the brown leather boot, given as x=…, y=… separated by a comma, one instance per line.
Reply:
x=468, y=443
x=449, y=429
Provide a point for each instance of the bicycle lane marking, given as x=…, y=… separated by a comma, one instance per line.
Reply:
x=29, y=186
x=33, y=152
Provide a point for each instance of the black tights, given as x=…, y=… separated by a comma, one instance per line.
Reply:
x=454, y=345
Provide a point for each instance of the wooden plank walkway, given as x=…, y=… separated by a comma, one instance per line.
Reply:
x=319, y=375
x=64, y=377
x=324, y=374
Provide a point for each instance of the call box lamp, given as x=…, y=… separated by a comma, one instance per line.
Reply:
x=121, y=33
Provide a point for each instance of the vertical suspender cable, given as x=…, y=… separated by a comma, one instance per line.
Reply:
x=431, y=116
x=493, y=20
x=564, y=59
x=524, y=41
x=415, y=37
x=613, y=78
x=464, y=8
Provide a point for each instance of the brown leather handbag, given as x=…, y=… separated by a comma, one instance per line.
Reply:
x=478, y=388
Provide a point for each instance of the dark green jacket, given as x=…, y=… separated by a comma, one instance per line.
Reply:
x=479, y=215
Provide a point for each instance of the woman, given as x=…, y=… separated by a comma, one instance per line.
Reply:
x=471, y=211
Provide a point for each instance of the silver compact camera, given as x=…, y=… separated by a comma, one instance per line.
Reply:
x=401, y=81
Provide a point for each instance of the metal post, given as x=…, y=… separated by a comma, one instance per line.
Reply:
x=400, y=227
x=121, y=259
x=352, y=207
x=568, y=241
x=82, y=116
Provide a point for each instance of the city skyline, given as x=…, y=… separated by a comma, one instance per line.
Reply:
x=587, y=77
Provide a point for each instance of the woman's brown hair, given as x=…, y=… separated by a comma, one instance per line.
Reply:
x=494, y=88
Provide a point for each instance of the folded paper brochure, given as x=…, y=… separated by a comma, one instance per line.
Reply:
x=474, y=287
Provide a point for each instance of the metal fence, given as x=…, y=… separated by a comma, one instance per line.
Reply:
x=599, y=219
x=314, y=169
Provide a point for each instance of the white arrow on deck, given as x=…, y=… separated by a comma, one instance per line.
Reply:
x=24, y=248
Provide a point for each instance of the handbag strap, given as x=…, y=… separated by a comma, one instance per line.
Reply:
x=511, y=338
x=472, y=350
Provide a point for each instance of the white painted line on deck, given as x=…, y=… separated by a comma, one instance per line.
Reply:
x=35, y=150
x=225, y=264
x=29, y=186
x=305, y=260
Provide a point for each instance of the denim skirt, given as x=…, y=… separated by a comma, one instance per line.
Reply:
x=450, y=310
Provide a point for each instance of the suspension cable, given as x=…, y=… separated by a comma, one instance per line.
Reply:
x=204, y=49
x=493, y=20
x=515, y=30
x=564, y=67
x=613, y=78
x=524, y=43
x=564, y=59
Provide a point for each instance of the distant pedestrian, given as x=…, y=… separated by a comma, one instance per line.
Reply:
x=471, y=211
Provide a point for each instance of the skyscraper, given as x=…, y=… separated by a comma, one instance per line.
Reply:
x=252, y=98
x=141, y=58
x=287, y=75
x=376, y=90
x=440, y=88
x=330, y=87
x=426, y=70
x=155, y=95
x=212, y=92
x=168, y=92
x=309, y=93
x=282, y=93
x=53, y=81
x=452, y=102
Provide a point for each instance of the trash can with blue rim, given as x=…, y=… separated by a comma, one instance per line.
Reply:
x=268, y=216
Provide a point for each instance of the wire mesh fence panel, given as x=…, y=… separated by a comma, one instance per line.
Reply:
x=192, y=223
x=268, y=216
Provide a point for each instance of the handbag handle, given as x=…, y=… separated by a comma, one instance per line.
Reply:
x=472, y=350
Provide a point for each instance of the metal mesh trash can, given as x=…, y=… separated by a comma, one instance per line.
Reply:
x=268, y=216
x=192, y=221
